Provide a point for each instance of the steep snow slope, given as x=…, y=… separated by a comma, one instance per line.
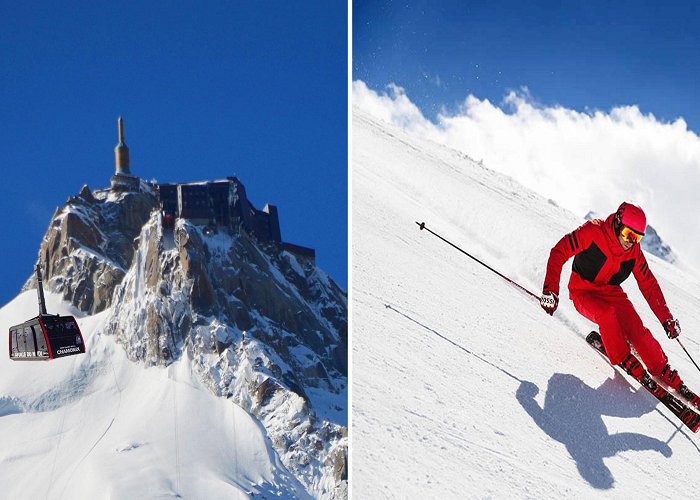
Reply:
x=462, y=386
x=99, y=426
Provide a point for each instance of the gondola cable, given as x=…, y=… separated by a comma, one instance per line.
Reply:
x=119, y=402
x=58, y=445
x=177, y=440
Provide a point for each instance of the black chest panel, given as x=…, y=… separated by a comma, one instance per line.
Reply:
x=624, y=272
x=588, y=263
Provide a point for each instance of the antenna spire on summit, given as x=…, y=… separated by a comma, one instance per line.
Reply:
x=120, y=124
x=121, y=152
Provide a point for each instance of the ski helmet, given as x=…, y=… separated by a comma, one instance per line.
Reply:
x=631, y=216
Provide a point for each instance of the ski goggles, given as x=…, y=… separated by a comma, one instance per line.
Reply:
x=630, y=235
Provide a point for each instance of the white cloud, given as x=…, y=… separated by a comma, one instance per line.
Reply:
x=392, y=107
x=590, y=160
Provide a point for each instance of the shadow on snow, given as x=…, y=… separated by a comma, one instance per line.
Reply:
x=573, y=415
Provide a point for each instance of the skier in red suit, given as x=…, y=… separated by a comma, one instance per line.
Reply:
x=605, y=253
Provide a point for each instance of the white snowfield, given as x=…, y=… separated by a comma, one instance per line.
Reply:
x=97, y=426
x=462, y=386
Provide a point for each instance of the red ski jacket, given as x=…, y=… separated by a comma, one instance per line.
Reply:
x=600, y=262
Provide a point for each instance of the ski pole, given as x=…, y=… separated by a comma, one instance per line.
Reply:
x=423, y=226
x=686, y=351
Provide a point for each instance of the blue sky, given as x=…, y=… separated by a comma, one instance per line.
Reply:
x=594, y=54
x=206, y=89
x=587, y=103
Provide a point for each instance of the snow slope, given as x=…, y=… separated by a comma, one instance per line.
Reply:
x=462, y=386
x=99, y=426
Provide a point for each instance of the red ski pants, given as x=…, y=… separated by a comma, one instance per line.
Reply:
x=619, y=323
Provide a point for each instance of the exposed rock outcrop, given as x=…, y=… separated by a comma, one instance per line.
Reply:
x=90, y=244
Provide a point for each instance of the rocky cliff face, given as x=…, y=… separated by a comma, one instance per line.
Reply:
x=90, y=244
x=259, y=325
x=653, y=244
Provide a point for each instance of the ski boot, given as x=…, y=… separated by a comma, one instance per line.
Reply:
x=632, y=366
x=689, y=395
x=672, y=379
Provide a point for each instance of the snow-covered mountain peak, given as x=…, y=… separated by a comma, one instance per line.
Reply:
x=249, y=318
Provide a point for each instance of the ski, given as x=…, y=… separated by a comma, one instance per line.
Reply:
x=690, y=399
x=634, y=368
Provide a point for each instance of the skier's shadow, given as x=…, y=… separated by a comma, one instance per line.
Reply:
x=573, y=415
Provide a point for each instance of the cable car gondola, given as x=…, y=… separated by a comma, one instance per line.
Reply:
x=47, y=336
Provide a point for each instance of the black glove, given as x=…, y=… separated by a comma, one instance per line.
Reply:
x=549, y=301
x=672, y=327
